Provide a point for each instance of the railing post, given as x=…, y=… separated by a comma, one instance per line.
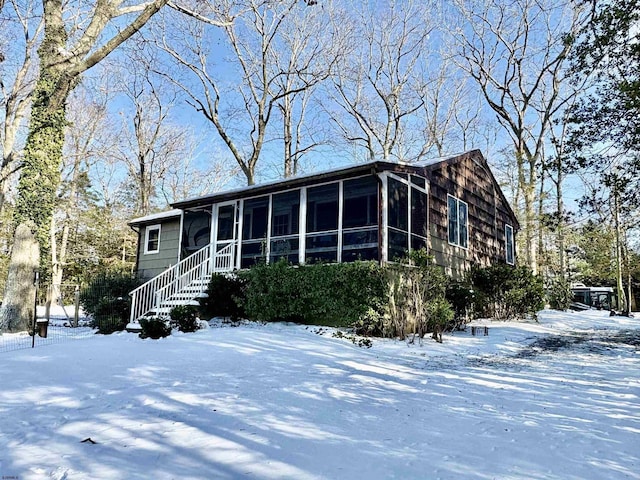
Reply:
x=134, y=297
x=157, y=302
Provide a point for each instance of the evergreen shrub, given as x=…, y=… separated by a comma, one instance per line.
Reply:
x=106, y=299
x=184, y=318
x=504, y=292
x=154, y=327
x=225, y=297
x=319, y=294
x=559, y=294
x=461, y=297
x=396, y=300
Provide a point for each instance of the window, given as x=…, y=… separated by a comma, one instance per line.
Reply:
x=509, y=244
x=152, y=239
x=458, y=217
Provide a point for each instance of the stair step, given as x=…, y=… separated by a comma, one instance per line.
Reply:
x=189, y=295
x=175, y=303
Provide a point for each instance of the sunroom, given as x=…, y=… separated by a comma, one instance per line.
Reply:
x=371, y=215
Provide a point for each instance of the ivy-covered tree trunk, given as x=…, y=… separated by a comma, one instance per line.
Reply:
x=40, y=173
x=39, y=179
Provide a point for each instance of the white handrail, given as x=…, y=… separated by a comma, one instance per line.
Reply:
x=151, y=294
x=223, y=259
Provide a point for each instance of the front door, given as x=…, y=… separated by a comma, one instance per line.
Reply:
x=225, y=238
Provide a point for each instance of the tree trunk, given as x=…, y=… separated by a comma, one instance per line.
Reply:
x=622, y=303
x=560, y=213
x=17, y=311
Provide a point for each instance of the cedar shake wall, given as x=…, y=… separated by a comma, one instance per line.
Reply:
x=469, y=180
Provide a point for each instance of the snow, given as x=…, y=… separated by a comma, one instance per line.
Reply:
x=559, y=399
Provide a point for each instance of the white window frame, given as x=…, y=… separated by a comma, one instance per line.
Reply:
x=508, y=228
x=148, y=230
x=458, y=243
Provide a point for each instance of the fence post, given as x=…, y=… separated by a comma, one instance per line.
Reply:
x=36, y=281
x=76, y=304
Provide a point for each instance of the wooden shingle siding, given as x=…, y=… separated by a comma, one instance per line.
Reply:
x=468, y=179
x=150, y=265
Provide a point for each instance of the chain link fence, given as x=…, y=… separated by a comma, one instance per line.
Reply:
x=61, y=318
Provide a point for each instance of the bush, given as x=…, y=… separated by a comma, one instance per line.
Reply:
x=559, y=294
x=225, y=295
x=417, y=304
x=504, y=292
x=185, y=318
x=374, y=300
x=462, y=298
x=320, y=294
x=106, y=299
x=154, y=327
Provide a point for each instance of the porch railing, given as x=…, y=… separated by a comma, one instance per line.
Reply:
x=223, y=259
x=152, y=294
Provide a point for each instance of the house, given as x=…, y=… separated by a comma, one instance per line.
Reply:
x=452, y=206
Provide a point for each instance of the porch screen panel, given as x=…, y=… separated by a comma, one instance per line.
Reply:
x=360, y=219
x=196, y=231
x=398, y=219
x=418, y=219
x=285, y=223
x=254, y=231
x=226, y=222
x=322, y=223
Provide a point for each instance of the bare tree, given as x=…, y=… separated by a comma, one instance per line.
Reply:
x=17, y=77
x=378, y=85
x=196, y=175
x=150, y=141
x=88, y=140
x=516, y=51
x=308, y=48
x=240, y=111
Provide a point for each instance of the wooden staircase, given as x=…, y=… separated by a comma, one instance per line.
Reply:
x=182, y=284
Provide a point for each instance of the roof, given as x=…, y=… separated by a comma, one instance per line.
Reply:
x=371, y=167
x=303, y=180
x=155, y=217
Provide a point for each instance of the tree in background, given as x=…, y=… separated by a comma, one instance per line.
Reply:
x=240, y=99
x=606, y=133
x=516, y=51
x=379, y=86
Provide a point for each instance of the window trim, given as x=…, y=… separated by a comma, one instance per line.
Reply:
x=458, y=243
x=508, y=227
x=148, y=230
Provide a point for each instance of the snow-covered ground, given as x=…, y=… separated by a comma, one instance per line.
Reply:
x=554, y=400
